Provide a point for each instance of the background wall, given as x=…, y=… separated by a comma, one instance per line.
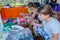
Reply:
x=25, y=1
x=58, y=1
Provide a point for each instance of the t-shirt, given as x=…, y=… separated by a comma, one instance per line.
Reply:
x=52, y=27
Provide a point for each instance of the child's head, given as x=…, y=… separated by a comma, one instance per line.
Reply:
x=31, y=6
x=45, y=12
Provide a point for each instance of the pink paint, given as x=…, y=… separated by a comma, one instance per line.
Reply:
x=22, y=19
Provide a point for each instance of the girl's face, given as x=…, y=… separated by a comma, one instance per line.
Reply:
x=32, y=9
x=43, y=17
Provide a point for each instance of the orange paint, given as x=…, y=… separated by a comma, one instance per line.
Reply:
x=13, y=12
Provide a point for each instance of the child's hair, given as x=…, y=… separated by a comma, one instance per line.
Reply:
x=46, y=10
x=30, y=4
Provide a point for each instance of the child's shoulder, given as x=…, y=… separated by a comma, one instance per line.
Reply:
x=54, y=21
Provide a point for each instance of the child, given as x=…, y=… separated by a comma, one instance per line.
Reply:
x=33, y=14
x=51, y=25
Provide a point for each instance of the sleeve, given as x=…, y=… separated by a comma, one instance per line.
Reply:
x=55, y=28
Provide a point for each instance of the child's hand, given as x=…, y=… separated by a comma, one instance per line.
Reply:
x=35, y=21
x=29, y=20
x=23, y=14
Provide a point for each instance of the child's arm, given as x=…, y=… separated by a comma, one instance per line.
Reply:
x=55, y=37
x=55, y=30
x=35, y=31
x=37, y=24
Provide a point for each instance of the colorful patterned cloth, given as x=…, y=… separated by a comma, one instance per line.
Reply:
x=17, y=34
x=42, y=32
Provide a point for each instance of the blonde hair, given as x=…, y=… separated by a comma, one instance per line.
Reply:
x=47, y=10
